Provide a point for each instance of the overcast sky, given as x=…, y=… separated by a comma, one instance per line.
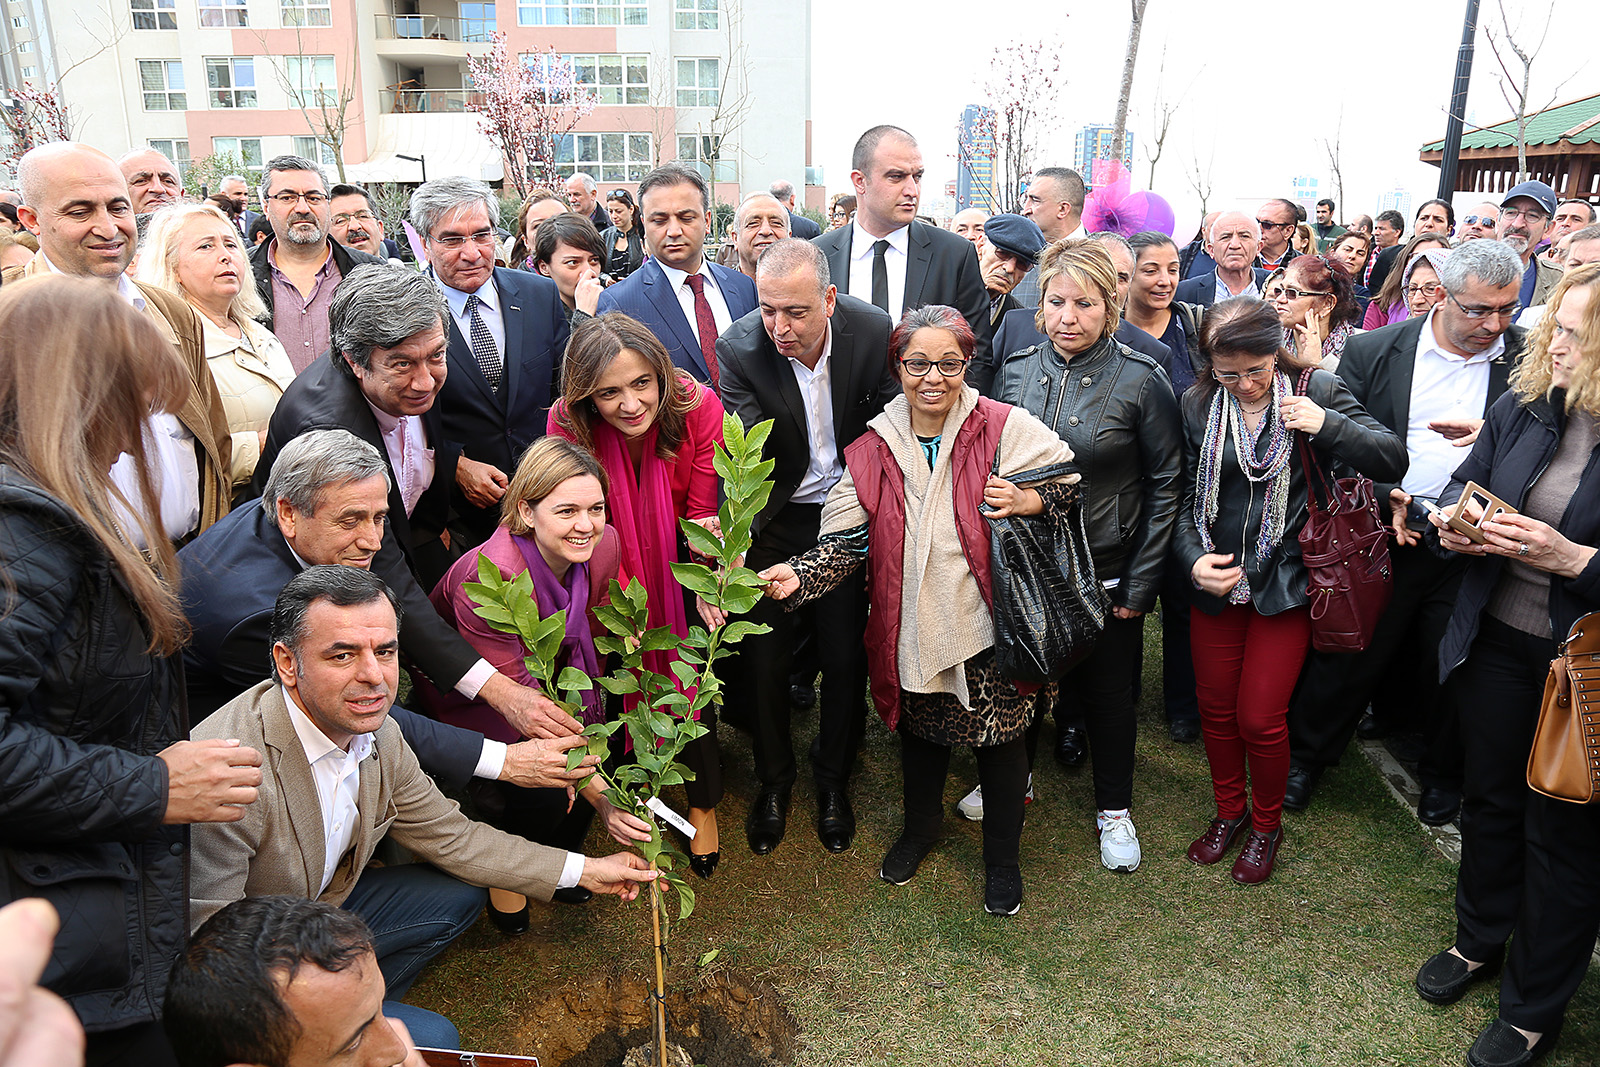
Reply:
x=1262, y=83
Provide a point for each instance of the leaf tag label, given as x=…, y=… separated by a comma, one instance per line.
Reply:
x=683, y=825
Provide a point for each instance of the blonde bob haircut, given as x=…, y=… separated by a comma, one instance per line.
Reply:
x=158, y=263
x=1086, y=264
x=547, y=463
x=1531, y=378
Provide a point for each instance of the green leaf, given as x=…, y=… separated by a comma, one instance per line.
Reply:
x=756, y=439
x=700, y=539
x=636, y=596
x=661, y=723
x=576, y=756
x=685, y=673
x=697, y=578
x=706, y=959
x=735, y=632
x=659, y=639
x=737, y=601
x=572, y=680
x=672, y=699
x=620, y=684
x=685, y=899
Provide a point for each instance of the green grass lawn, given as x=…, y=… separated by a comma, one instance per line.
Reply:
x=1173, y=964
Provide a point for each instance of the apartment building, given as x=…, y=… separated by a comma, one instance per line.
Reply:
x=388, y=81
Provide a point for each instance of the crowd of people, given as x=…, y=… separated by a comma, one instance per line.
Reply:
x=245, y=482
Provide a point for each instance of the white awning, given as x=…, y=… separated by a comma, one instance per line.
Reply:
x=451, y=144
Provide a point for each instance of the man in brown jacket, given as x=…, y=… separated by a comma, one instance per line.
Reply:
x=338, y=777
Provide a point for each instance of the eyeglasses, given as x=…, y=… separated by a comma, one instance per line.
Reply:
x=1265, y=225
x=291, y=199
x=1272, y=294
x=359, y=216
x=1259, y=374
x=1532, y=214
x=1429, y=291
x=1481, y=313
x=948, y=368
x=457, y=240
x=1289, y=292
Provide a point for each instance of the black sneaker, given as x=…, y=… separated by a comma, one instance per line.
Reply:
x=905, y=856
x=1002, y=890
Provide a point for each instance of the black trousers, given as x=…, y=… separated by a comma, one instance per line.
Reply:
x=1560, y=914
x=1336, y=687
x=1003, y=773
x=1099, y=693
x=1498, y=690
x=140, y=1045
x=837, y=623
x=1177, y=657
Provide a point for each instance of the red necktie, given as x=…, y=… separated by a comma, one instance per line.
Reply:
x=705, y=324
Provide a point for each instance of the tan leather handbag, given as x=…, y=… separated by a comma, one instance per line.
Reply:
x=1564, y=762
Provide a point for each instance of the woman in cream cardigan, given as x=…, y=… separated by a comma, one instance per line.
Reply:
x=908, y=506
x=194, y=251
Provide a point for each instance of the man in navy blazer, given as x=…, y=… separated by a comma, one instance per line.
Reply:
x=508, y=333
x=1235, y=240
x=676, y=204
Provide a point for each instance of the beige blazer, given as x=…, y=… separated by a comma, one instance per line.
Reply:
x=278, y=846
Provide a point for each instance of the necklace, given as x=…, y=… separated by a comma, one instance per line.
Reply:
x=1265, y=404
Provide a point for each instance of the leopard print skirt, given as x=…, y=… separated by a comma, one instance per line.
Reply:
x=998, y=713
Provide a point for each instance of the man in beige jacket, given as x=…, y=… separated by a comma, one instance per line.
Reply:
x=338, y=777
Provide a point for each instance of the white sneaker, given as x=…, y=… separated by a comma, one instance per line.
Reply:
x=1119, y=841
x=971, y=805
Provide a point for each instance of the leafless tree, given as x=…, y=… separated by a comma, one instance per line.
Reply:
x=32, y=115
x=1022, y=94
x=1331, y=147
x=1515, y=58
x=1200, y=180
x=715, y=134
x=1119, y=128
x=326, y=106
x=1162, y=110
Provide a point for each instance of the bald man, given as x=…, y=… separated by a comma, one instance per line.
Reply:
x=761, y=222
x=969, y=224
x=1235, y=240
x=152, y=179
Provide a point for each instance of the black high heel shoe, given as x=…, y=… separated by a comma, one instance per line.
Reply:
x=510, y=923
x=704, y=865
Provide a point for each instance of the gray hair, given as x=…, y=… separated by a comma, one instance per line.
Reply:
x=234, y=178
x=444, y=196
x=1491, y=262
x=379, y=305
x=1073, y=190
x=584, y=178
x=789, y=255
x=280, y=163
x=1588, y=233
x=1109, y=237
x=342, y=586
x=738, y=215
x=314, y=461
x=782, y=189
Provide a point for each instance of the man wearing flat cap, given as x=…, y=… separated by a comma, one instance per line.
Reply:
x=1525, y=216
x=1007, y=250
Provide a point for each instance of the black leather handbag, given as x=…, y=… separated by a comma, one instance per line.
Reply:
x=1049, y=608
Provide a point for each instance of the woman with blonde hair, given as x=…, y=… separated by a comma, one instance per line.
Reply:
x=194, y=251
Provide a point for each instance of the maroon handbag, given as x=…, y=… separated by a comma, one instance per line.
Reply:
x=1345, y=547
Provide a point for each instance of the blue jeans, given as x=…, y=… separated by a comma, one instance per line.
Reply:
x=428, y=1029
x=414, y=911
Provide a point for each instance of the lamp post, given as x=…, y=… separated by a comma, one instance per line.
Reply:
x=1458, y=104
x=423, y=159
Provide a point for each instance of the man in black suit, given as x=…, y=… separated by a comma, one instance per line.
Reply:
x=888, y=257
x=584, y=196
x=782, y=191
x=1235, y=241
x=325, y=503
x=508, y=332
x=816, y=363
x=381, y=382
x=1442, y=371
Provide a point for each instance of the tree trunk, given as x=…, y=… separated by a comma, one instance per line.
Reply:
x=1119, y=132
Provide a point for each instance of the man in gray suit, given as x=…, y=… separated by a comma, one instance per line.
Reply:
x=338, y=777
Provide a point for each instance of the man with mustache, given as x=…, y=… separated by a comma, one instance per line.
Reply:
x=354, y=222
x=1525, y=216
x=152, y=179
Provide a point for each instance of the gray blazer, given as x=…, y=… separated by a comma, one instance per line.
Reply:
x=278, y=846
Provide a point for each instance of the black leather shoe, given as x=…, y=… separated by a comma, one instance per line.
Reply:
x=1372, y=728
x=802, y=697
x=1071, y=746
x=769, y=816
x=510, y=923
x=1500, y=1045
x=1301, y=784
x=704, y=865
x=1445, y=979
x=1438, y=806
x=573, y=894
x=1184, y=731
x=836, y=820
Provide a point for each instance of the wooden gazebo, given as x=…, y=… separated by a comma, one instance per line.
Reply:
x=1563, y=150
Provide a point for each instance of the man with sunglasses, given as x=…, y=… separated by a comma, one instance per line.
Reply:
x=1525, y=216
x=1277, y=219
x=1483, y=221
x=1431, y=379
x=299, y=268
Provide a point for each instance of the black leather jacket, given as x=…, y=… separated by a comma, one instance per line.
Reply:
x=1115, y=407
x=1349, y=437
x=84, y=710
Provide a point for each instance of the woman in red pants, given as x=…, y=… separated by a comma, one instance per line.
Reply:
x=1238, y=532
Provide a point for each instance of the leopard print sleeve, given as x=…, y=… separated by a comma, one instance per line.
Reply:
x=821, y=569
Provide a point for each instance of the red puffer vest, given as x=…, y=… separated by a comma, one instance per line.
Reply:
x=881, y=489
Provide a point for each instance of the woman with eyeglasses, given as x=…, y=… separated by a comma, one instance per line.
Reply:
x=1316, y=304
x=1238, y=535
x=624, y=238
x=1389, y=304
x=1530, y=864
x=911, y=508
x=1419, y=282
x=841, y=211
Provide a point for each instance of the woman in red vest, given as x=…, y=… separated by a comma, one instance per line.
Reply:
x=908, y=507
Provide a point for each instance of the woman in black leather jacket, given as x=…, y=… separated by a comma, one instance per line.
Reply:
x=1115, y=407
x=624, y=238
x=1528, y=862
x=98, y=774
x=1238, y=533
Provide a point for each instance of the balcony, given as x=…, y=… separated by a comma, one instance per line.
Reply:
x=425, y=37
x=427, y=101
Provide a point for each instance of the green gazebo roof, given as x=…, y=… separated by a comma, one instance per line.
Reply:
x=1576, y=122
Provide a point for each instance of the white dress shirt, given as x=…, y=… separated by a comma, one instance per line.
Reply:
x=816, y=390
x=1443, y=386
x=489, y=311
x=407, y=445
x=679, y=280
x=895, y=258
x=337, y=774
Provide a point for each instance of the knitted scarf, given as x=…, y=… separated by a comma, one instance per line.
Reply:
x=1226, y=419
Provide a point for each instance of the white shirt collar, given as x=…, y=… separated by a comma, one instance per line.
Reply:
x=303, y=564
x=314, y=742
x=861, y=241
x=677, y=276
x=822, y=360
x=1429, y=342
x=487, y=295
x=125, y=287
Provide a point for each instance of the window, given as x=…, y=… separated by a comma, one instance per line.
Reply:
x=313, y=81
x=477, y=20
x=695, y=15
x=605, y=157
x=612, y=79
x=25, y=47
x=229, y=13
x=30, y=72
x=176, y=150
x=307, y=147
x=232, y=82
x=19, y=21
x=152, y=14
x=583, y=13
x=245, y=149
x=698, y=85
x=161, y=80
x=699, y=152
x=305, y=12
